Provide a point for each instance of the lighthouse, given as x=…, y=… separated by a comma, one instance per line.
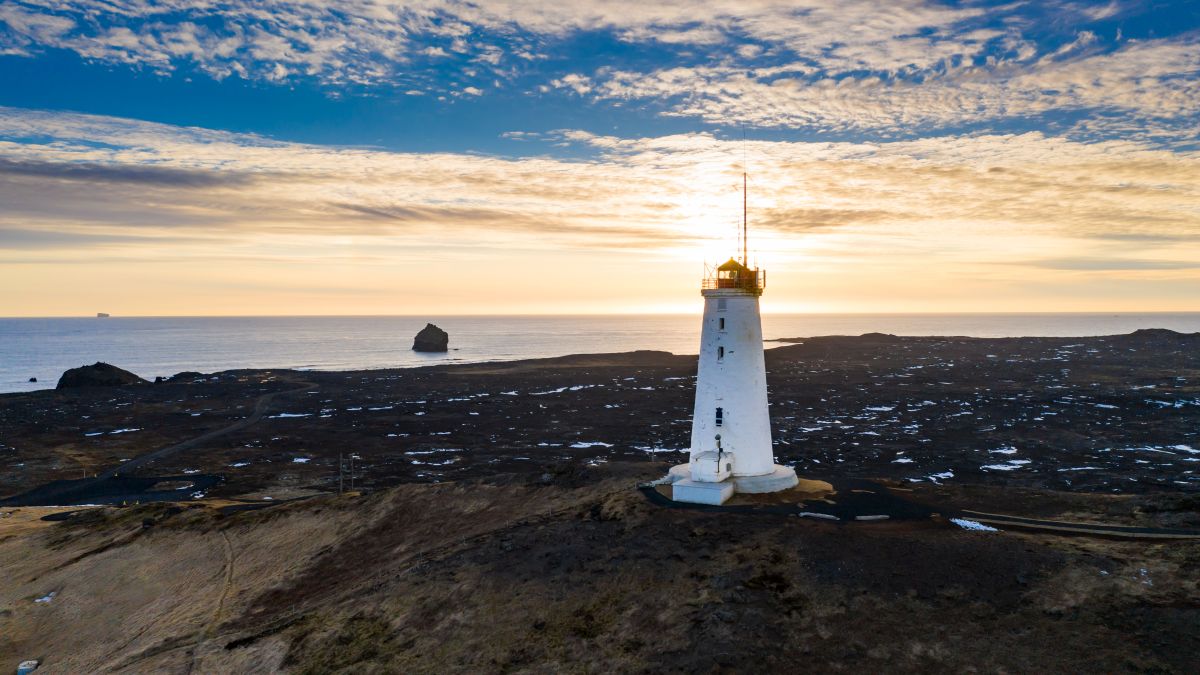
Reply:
x=731, y=425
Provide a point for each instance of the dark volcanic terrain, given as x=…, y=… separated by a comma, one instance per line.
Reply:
x=1114, y=414
x=495, y=524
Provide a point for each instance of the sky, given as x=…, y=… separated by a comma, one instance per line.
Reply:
x=274, y=157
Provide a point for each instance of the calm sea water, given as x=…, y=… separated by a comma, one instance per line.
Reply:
x=44, y=348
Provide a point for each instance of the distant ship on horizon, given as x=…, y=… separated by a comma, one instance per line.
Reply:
x=101, y=315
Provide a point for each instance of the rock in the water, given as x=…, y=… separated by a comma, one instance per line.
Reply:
x=431, y=339
x=33, y=379
x=97, y=375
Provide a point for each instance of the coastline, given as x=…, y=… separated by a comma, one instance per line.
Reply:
x=511, y=487
x=1095, y=414
x=161, y=347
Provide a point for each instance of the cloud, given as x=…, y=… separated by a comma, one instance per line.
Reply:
x=824, y=65
x=15, y=238
x=952, y=216
x=129, y=174
x=580, y=84
x=1095, y=264
x=667, y=191
x=1152, y=81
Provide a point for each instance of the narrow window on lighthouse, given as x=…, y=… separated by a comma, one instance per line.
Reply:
x=720, y=353
x=720, y=416
x=721, y=324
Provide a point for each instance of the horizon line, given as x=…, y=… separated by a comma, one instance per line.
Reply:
x=590, y=314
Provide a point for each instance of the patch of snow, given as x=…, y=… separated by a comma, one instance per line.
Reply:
x=647, y=448
x=1011, y=465
x=287, y=415
x=300, y=460
x=441, y=463
x=46, y=598
x=591, y=444
x=973, y=525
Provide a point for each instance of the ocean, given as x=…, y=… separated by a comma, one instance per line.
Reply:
x=148, y=346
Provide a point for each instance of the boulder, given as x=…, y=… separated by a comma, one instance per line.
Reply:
x=431, y=339
x=33, y=379
x=97, y=375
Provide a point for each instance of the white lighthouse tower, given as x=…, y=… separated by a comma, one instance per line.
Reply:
x=731, y=426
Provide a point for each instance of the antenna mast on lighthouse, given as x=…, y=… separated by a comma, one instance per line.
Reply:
x=745, y=232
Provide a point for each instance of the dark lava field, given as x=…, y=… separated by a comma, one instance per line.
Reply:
x=501, y=529
x=1117, y=414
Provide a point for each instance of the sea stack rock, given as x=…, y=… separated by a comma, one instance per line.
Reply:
x=431, y=339
x=97, y=375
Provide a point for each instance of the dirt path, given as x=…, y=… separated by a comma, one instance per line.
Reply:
x=260, y=408
x=65, y=492
x=1068, y=527
x=226, y=587
x=879, y=504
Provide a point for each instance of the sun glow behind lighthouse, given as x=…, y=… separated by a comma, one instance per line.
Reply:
x=909, y=157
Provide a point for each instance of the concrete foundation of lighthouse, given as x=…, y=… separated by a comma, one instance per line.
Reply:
x=731, y=447
x=780, y=478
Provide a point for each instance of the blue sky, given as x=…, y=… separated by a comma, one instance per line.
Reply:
x=134, y=63
x=923, y=110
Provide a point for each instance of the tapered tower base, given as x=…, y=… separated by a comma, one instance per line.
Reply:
x=782, y=478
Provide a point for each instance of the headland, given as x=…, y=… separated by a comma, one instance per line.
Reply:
x=510, y=490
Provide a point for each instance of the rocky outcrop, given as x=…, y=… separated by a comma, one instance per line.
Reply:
x=431, y=339
x=97, y=375
x=186, y=376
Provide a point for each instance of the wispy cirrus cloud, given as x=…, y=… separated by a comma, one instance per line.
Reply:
x=1153, y=84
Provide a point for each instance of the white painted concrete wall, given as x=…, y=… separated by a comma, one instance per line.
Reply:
x=735, y=382
x=706, y=468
